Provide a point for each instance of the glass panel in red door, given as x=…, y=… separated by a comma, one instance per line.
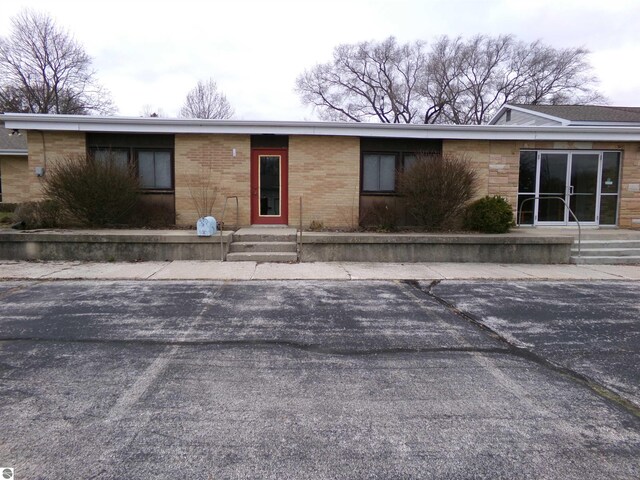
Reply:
x=269, y=199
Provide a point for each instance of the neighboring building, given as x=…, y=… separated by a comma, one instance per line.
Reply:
x=575, y=115
x=13, y=166
x=342, y=169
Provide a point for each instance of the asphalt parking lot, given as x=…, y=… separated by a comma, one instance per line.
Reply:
x=316, y=379
x=592, y=328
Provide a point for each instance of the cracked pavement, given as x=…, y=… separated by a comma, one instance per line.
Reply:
x=297, y=379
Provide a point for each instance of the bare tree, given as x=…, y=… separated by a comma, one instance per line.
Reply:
x=44, y=70
x=367, y=81
x=150, y=111
x=455, y=81
x=205, y=101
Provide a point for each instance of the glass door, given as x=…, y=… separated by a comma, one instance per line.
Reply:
x=588, y=181
x=583, y=187
x=552, y=184
x=269, y=186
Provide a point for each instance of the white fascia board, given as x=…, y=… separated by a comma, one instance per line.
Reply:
x=437, y=132
x=14, y=153
x=585, y=123
x=562, y=121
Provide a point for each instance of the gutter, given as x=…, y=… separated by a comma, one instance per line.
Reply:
x=79, y=123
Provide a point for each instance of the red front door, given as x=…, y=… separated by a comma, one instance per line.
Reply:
x=269, y=184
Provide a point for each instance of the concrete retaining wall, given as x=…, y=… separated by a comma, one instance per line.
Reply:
x=322, y=247
x=111, y=246
x=114, y=245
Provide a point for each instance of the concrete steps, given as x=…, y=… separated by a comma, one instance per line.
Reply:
x=606, y=251
x=263, y=245
x=252, y=247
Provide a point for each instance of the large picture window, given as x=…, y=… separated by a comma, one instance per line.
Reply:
x=379, y=170
x=119, y=156
x=378, y=173
x=150, y=156
x=154, y=169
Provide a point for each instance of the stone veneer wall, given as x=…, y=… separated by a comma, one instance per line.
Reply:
x=14, y=171
x=497, y=163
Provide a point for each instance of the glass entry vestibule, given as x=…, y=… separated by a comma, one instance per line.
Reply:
x=586, y=180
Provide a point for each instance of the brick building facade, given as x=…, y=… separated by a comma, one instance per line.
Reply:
x=339, y=169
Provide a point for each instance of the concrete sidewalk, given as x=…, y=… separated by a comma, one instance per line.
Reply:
x=214, y=270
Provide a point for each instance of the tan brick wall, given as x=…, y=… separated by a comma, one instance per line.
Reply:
x=198, y=157
x=326, y=172
x=497, y=163
x=47, y=148
x=15, y=181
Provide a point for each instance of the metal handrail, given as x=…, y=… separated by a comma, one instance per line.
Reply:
x=235, y=227
x=565, y=205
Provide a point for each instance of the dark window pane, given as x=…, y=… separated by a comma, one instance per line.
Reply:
x=527, y=180
x=163, y=169
x=525, y=209
x=553, y=173
x=550, y=210
x=584, y=172
x=610, y=172
x=370, y=175
x=146, y=169
x=118, y=157
x=608, y=209
x=269, y=185
x=409, y=161
x=378, y=173
x=387, y=173
x=154, y=169
x=583, y=206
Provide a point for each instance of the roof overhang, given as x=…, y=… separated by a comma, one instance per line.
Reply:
x=78, y=123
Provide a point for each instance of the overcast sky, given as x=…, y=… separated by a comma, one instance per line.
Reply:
x=154, y=52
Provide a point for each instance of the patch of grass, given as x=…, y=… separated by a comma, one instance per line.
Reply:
x=6, y=218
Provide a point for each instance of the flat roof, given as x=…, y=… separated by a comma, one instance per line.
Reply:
x=81, y=123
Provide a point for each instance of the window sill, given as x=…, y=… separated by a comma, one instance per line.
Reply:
x=151, y=191
x=380, y=194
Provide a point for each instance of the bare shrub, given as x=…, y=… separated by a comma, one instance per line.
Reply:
x=316, y=226
x=381, y=216
x=42, y=214
x=437, y=188
x=152, y=214
x=94, y=192
x=203, y=192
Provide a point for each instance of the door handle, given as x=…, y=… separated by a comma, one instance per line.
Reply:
x=570, y=189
